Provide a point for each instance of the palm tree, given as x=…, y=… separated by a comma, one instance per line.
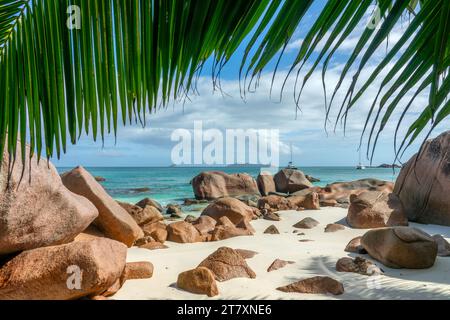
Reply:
x=74, y=66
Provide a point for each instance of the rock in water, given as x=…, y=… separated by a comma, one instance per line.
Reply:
x=306, y=223
x=278, y=264
x=199, y=280
x=233, y=209
x=174, y=210
x=401, y=247
x=311, y=178
x=315, y=285
x=375, y=209
x=226, y=264
x=212, y=185
x=290, y=180
x=271, y=230
x=357, y=265
x=41, y=211
x=113, y=220
x=182, y=232
x=423, y=184
x=63, y=272
x=266, y=184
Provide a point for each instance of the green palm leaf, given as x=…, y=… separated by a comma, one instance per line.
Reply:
x=57, y=82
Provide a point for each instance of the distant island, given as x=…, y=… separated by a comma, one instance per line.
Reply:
x=385, y=165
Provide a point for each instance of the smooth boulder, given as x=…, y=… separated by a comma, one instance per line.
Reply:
x=138, y=270
x=266, y=183
x=355, y=246
x=401, y=247
x=310, y=201
x=232, y=208
x=212, y=185
x=182, y=232
x=375, y=209
x=37, y=210
x=226, y=264
x=291, y=180
x=113, y=220
x=306, y=223
x=423, y=184
x=199, y=280
x=63, y=272
x=204, y=224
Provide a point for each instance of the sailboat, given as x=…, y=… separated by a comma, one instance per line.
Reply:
x=290, y=164
x=360, y=166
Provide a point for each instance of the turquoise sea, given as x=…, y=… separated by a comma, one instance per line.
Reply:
x=171, y=184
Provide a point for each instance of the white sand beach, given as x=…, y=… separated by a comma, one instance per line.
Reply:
x=317, y=257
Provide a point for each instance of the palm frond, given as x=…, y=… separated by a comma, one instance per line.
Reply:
x=57, y=82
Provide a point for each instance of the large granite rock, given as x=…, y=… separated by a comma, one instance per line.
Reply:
x=291, y=180
x=266, y=183
x=182, y=232
x=156, y=230
x=233, y=209
x=401, y=247
x=375, y=209
x=226, y=264
x=341, y=191
x=212, y=185
x=274, y=203
x=63, y=272
x=310, y=201
x=199, y=280
x=113, y=220
x=142, y=216
x=36, y=209
x=423, y=184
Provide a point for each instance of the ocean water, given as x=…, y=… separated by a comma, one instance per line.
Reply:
x=171, y=184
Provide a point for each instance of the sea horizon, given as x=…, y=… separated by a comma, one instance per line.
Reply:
x=168, y=184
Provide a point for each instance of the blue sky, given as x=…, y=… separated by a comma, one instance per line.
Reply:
x=312, y=146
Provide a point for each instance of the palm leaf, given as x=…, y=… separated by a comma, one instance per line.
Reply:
x=137, y=55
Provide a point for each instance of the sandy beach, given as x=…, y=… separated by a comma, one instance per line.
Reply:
x=317, y=257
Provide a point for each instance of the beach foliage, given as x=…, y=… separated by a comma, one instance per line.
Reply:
x=69, y=67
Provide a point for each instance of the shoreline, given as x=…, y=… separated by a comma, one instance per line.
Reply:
x=317, y=257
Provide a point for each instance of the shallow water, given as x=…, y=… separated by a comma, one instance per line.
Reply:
x=171, y=184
